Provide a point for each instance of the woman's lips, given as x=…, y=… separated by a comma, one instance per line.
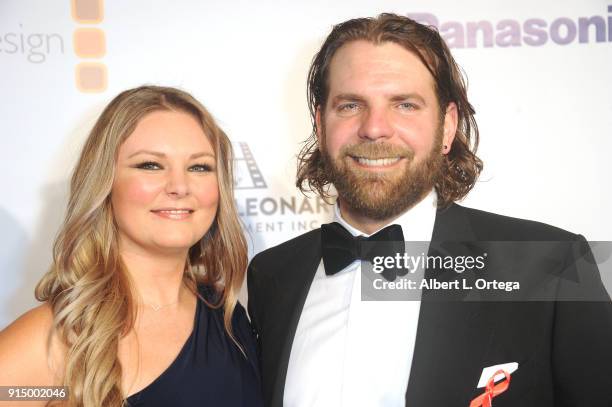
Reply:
x=173, y=213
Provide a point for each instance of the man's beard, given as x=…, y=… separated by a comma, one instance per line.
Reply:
x=381, y=195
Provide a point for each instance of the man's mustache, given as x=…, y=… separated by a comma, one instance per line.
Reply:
x=375, y=150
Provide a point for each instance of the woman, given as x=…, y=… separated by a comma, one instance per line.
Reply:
x=140, y=304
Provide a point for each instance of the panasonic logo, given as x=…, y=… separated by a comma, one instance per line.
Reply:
x=514, y=33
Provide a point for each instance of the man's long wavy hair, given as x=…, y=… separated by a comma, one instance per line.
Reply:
x=461, y=166
x=87, y=285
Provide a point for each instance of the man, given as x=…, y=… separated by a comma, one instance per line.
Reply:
x=394, y=133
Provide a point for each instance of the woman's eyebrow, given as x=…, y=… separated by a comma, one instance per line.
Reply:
x=162, y=155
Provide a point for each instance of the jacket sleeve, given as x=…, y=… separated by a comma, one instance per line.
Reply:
x=582, y=334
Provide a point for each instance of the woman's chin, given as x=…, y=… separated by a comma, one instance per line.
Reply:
x=173, y=245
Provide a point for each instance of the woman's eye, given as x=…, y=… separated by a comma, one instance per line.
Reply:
x=149, y=165
x=201, y=168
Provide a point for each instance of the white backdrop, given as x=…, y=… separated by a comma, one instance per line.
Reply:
x=544, y=105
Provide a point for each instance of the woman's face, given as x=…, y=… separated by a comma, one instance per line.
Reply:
x=165, y=193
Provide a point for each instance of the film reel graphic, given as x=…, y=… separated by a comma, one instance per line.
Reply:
x=248, y=175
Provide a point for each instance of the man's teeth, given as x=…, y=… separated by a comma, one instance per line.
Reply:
x=377, y=162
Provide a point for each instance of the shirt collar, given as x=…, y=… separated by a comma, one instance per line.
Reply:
x=417, y=223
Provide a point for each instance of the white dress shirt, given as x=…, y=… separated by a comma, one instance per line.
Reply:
x=348, y=352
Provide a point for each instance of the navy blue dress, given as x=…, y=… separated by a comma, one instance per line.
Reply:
x=209, y=370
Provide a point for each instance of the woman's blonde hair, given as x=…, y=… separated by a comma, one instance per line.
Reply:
x=87, y=285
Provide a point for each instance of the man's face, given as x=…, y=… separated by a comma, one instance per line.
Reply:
x=381, y=132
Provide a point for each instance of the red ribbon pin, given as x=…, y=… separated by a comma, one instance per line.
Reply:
x=492, y=390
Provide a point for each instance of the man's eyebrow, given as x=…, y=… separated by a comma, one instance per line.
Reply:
x=409, y=96
x=395, y=98
x=162, y=155
x=346, y=96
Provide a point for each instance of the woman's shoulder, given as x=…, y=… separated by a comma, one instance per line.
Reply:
x=214, y=298
x=213, y=303
x=28, y=332
x=209, y=293
x=29, y=351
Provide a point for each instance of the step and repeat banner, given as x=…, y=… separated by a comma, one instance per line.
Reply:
x=539, y=78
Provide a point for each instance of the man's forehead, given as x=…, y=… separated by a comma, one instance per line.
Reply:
x=383, y=65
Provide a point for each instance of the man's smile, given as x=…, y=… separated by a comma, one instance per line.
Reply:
x=386, y=162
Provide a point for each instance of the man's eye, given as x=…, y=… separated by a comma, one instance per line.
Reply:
x=348, y=107
x=201, y=168
x=407, y=106
x=149, y=165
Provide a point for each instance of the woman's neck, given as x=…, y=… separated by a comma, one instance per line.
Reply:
x=157, y=279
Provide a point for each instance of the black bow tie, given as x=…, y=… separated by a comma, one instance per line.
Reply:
x=340, y=248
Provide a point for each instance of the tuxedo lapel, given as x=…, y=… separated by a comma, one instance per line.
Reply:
x=293, y=285
x=446, y=355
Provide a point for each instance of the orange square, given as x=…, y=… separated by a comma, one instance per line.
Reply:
x=91, y=77
x=89, y=42
x=88, y=11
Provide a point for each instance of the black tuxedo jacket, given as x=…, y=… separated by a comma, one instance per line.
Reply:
x=563, y=348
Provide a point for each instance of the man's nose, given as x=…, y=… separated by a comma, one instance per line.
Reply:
x=375, y=124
